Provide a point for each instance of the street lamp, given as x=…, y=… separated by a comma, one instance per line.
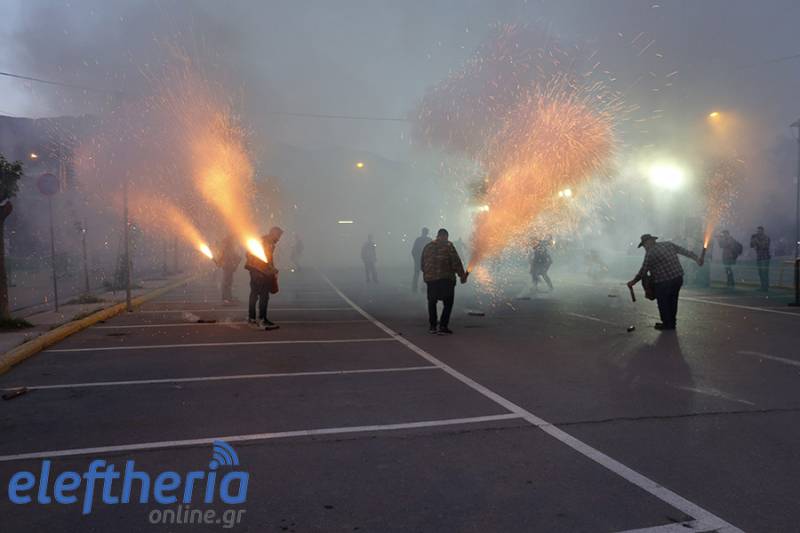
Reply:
x=360, y=165
x=796, y=302
x=713, y=114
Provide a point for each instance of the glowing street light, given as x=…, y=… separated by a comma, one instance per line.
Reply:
x=34, y=155
x=566, y=193
x=360, y=165
x=483, y=208
x=667, y=176
x=714, y=114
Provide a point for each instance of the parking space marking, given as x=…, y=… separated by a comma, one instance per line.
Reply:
x=228, y=323
x=770, y=357
x=239, y=309
x=224, y=378
x=702, y=516
x=217, y=344
x=257, y=436
x=738, y=306
x=692, y=526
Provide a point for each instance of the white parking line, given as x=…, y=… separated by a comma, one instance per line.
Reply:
x=212, y=344
x=771, y=357
x=240, y=309
x=748, y=307
x=703, y=517
x=594, y=319
x=692, y=526
x=224, y=378
x=255, y=436
x=228, y=323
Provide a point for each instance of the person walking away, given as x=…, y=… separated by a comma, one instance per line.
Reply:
x=731, y=250
x=297, y=252
x=228, y=261
x=540, y=264
x=369, y=256
x=416, y=256
x=662, y=263
x=440, y=265
x=263, y=280
x=760, y=242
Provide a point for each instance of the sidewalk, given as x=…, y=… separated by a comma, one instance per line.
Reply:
x=45, y=321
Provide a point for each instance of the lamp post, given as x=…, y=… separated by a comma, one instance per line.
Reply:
x=796, y=302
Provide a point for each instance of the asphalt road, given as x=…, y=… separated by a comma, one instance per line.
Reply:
x=545, y=414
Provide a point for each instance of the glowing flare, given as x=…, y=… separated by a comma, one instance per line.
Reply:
x=254, y=247
x=203, y=247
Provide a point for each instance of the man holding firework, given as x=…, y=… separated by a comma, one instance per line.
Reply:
x=440, y=264
x=661, y=263
x=263, y=280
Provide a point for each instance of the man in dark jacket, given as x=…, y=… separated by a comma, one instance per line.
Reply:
x=440, y=264
x=228, y=261
x=263, y=280
x=416, y=256
x=662, y=264
x=369, y=255
x=760, y=242
x=540, y=263
x=731, y=249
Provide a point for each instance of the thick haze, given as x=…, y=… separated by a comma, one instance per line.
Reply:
x=674, y=60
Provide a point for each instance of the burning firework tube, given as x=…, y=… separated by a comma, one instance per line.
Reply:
x=702, y=258
x=633, y=294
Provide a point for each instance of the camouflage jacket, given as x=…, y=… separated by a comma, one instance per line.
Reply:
x=440, y=261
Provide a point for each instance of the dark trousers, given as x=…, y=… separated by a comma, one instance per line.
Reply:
x=763, y=273
x=730, y=281
x=415, y=280
x=259, y=291
x=537, y=272
x=369, y=269
x=227, y=283
x=444, y=290
x=667, y=298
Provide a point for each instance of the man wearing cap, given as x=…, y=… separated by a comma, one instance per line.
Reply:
x=661, y=261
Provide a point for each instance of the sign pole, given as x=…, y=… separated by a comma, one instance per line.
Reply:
x=127, y=272
x=53, y=252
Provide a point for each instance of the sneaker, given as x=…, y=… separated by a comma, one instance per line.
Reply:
x=268, y=324
x=253, y=323
x=432, y=330
x=445, y=331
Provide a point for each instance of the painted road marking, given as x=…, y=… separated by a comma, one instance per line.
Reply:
x=240, y=309
x=225, y=378
x=595, y=319
x=256, y=436
x=213, y=344
x=692, y=526
x=702, y=516
x=738, y=306
x=228, y=323
x=771, y=357
x=711, y=392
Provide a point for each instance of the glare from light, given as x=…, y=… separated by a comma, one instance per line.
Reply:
x=203, y=247
x=667, y=176
x=566, y=193
x=34, y=155
x=713, y=114
x=346, y=222
x=360, y=164
x=483, y=208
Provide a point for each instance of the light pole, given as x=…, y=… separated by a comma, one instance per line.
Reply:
x=796, y=302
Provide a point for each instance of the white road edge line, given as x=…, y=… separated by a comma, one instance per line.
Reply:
x=256, y=436
x=223, y=378
x=231, y=323
x=770, y=357
x=692, y=526
x=748, y=307
x=704, y=517
x=212, y=344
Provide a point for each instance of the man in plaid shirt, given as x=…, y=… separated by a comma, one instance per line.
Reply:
x=661, y=262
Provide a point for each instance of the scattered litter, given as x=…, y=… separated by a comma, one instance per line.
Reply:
x=15, y=393
x=206, y=321
x=631, y=328
x=474, y=312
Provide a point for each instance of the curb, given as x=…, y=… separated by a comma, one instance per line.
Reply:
x=34, y=346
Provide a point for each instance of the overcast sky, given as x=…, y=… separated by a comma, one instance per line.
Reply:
x=377, y=57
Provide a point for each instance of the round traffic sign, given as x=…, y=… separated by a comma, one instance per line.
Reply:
x=48, y=184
